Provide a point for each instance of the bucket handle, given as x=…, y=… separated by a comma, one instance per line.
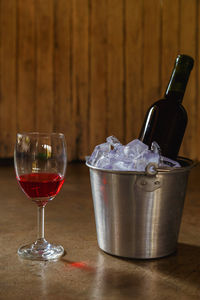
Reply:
x=151, y=169
x=149, y=182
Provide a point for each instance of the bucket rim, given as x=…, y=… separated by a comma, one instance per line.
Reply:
x=188, y=164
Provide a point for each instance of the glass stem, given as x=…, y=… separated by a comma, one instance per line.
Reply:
x=40, y=222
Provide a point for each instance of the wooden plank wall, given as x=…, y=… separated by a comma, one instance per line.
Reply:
x=91, y=68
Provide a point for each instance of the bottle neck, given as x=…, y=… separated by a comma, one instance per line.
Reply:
x=178, y=82
x=174, y=96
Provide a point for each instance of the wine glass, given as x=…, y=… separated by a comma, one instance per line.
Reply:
x=40, y=161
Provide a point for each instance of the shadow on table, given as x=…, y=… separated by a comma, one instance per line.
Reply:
x=181, y=268
x=178, y=273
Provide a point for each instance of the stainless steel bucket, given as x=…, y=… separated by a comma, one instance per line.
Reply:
x=138, y=214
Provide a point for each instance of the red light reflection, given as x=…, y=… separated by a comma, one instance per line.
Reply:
x=79, y=265
x=103, y=189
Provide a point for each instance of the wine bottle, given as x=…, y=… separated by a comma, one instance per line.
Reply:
x=166, y=119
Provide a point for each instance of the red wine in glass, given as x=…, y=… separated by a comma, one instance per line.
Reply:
x=39, y=185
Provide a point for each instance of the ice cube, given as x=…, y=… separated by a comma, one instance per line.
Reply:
x=122, y=165
x=147, y=157
x=155, y=148
x=104, y=162
x=167, y=162
x=135, y=148
x=113, y=141
x=98, y=152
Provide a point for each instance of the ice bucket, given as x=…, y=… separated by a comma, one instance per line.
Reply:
x=138, y=214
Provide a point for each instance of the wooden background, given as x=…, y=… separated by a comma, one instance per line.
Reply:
x=91, y=68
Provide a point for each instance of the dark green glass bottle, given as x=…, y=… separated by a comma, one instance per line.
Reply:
x=166, y=119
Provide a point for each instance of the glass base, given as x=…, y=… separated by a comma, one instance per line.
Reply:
x=41, y=250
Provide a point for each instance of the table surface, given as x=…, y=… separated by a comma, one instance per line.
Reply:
x=86, y=272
